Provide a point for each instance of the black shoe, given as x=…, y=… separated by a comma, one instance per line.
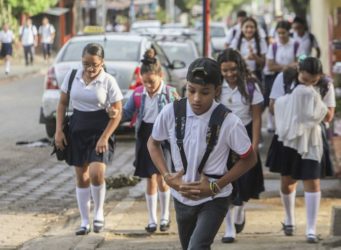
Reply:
x=288, y=229
x=164, y=225
x=98, y=226
x=239, y=227
x=312, y=239
x=227, y=240
x=151, y=228
x=83, y=231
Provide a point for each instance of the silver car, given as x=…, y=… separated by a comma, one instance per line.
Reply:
x=123, y=53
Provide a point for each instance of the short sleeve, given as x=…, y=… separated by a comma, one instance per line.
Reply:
x=40, y=30
x=234, y=44
x=229, y=37
x=35, y=32
x=257, y=96
x=161, y=126
x=65, y=82
x=278, y=87
x=270, y=54
x=237, y=138
x=114, y=92
x=263, y=47
x=52, y=29
x=329, y=98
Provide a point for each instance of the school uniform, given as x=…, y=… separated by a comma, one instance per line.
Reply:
x=286, y=160
x=46, y=32
x=283, y=55
x=27, y=35
x=251, y=184
x=244, y=51
x=235, y=32
x=146, y=116
x=307, y=43
x=6, y=40
x=211, y=210
x=89, y=118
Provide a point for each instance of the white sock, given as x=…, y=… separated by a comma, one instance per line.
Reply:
x=83, y=200
x=7, y=66
x=239, y=214
x=312, y=204
x=270, y=121
x=288, y=201
x=229, y=224
x=164, y=204
x=98, y=195
x=151, y=201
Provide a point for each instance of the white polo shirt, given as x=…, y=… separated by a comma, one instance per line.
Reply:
x=6, y=37
x=234, y=101
x=232, y=135
x=46, y=32
x=285, y=54
x=305, y=43
x=151, y=109
x=245, y=50
x=27, y=34
x=97, y=95
x=278, y=91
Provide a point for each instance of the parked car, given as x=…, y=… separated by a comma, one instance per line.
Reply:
x=123, y=53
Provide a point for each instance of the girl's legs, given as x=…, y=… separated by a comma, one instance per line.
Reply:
x=288, y=194
x=164, y=196
x=239, y=217
x=98, y=190
x=151, y=200
x=7, y=64
x=230, y=232
x=83, y=197
x=312, y=195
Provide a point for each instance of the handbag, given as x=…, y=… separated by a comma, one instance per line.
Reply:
x=65, y=154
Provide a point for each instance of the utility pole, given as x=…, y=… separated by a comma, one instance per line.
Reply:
x=206, y=28
x=170, y=10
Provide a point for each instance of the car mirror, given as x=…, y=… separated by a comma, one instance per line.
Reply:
x=178, y=64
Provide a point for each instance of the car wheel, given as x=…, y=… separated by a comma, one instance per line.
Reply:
x=50, y=128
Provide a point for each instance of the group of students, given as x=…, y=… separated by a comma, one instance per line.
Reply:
x=202, y=149
x=28, y=36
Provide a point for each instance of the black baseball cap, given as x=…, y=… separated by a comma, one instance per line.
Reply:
x=204, y=70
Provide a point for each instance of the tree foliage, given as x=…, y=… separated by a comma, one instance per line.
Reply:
x=31, y=7
x=300, y=7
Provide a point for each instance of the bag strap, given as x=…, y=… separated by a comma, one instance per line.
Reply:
x=137, y=95
x=180, y=125
x=274, y=50
x=216, y=120
x=72, y=77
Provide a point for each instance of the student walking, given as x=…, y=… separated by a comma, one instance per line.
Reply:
x=29, y=39
x=235, y=30
x=201, y=134
x=281, y=54
x=241, y=94
x=143, y=106
x=299, y=149
x=6, y=40
x=251, y=46
x=91, y=135
x=47, y=33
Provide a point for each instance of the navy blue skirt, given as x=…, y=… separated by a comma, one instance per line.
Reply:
x=288, y=162
x=6, y=49
x=85, y=130
x=251, y=184
x=144, y=166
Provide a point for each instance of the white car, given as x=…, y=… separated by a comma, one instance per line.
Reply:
x=123, y=53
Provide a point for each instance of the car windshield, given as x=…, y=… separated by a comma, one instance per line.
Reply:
x=217, y=32
x=114, y=50
x=179, y=51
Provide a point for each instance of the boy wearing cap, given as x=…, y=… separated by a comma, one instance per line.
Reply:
x=201, y=188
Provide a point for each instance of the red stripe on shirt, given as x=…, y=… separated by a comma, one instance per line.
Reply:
x=246, y=153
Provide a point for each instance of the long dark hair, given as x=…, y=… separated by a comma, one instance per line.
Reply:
x=244, y=75
x=150, y=62
x=256, y=35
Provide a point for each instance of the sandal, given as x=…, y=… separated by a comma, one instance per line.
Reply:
x=151, y=227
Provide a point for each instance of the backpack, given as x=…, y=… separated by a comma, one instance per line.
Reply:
x=137, y=96
x=275, y=46
x=217, y=118
x=290, y=75
x=311, y=39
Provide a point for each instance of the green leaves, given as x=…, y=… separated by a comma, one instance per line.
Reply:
x=32, y=7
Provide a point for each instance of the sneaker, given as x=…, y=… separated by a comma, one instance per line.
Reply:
x=288, y=229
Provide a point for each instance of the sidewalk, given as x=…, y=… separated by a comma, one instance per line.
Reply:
x=126, y=219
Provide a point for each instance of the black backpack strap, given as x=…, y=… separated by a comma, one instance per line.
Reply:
x=72, y=77
x=180, y=125
x=216, y=120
